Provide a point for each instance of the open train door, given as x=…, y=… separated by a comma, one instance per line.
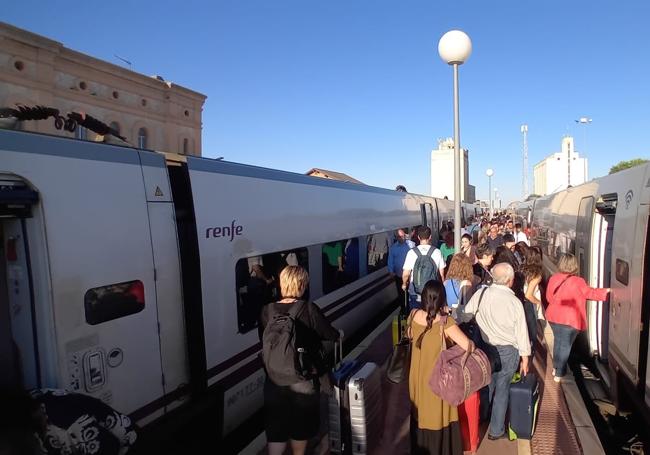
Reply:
x=594, y=236
x=18, y=347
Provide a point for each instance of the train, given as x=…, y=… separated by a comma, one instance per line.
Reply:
x=137, y=276
x=604, y=223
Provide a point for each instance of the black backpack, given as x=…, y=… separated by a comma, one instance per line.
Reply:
x=282, y=353
x=425, y=269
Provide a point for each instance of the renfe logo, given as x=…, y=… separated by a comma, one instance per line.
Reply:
x=225, y=231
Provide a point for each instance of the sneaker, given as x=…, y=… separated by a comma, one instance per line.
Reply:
x=494, y=438
x=553, y=372
x=557, y=378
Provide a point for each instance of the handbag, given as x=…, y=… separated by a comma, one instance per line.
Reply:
x=400, y=359
x=470, y=328
x=459, y=373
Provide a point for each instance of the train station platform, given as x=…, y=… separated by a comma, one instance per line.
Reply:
x=563, y=424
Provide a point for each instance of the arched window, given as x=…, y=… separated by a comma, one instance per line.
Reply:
x=115, y=126
x=142, y=138
x=186, y=146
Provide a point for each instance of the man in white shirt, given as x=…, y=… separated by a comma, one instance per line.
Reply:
x=520, y=236
x=424, y=234
x=500, y=317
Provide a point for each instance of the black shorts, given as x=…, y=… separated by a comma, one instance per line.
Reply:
x=289, y=414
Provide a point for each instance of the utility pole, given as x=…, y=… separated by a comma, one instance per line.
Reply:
x=524, y=132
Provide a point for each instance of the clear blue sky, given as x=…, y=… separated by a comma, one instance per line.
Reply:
x=357, y=85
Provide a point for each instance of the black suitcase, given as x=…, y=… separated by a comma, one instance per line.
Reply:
x=523, y=403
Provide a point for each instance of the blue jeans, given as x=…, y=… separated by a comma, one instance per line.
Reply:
x=531, y=324
x=564, y=336
x=500, y=388
x=413, y=302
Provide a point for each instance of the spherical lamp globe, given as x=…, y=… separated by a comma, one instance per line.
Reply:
x=455, y=47
x=489, y=172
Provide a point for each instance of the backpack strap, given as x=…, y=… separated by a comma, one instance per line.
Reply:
x=418, y=253
x=431, y=251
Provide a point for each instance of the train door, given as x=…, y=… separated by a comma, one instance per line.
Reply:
x=598, y=227
x=18, y=337
x=430, y=219
x=94, y=324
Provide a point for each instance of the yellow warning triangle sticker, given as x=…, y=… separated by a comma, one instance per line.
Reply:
x=158, y=192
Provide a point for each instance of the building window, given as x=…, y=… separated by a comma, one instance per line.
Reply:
x=186, y=146
x=114, y=301
x=142, y=138
x=81, y=133
x=115, y=126
x=258, y=283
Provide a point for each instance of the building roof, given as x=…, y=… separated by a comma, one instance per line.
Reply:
x=332, y=175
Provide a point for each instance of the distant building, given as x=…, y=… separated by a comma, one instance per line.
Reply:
x=148, y=111
x=442, y=172
x=332, y=175
x=552, y=173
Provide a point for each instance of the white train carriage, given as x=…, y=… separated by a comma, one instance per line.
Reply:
x=129, y=273
x=605, y=224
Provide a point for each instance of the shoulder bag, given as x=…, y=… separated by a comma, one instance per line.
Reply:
x=459, y=373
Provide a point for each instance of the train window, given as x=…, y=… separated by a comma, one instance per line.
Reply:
x=622, y=271
x=114, y=301
x=378, y=245
x=257, y=281
x=340, y=263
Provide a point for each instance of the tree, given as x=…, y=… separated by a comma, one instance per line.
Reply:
x=627, y=164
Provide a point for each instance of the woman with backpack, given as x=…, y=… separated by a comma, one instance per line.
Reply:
x=458, y=282
x=567, y=295
x=434, y=423
x=292, y=388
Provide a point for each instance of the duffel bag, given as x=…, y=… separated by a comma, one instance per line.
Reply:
x=459, y=373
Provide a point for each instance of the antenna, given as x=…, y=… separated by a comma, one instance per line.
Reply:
x=123, y=59
x=524, y=182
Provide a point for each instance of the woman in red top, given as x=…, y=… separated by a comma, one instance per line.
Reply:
x=567, y=296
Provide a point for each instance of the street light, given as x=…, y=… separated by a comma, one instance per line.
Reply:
x=490, y=173
x=454, y=48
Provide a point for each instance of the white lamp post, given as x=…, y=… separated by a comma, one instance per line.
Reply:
x=454, y=48
x=489, y=174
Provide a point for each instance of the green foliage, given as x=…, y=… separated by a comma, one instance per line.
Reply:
x=627, y=164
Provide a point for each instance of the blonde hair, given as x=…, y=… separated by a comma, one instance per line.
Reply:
x=460, y=268
x=568, y=264
x=293, y=282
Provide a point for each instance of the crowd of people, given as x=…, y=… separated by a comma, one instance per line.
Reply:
x=496, y=281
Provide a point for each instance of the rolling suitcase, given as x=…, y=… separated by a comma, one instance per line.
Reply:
x=339, y=403
x=366, y=413
x=524, y=399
